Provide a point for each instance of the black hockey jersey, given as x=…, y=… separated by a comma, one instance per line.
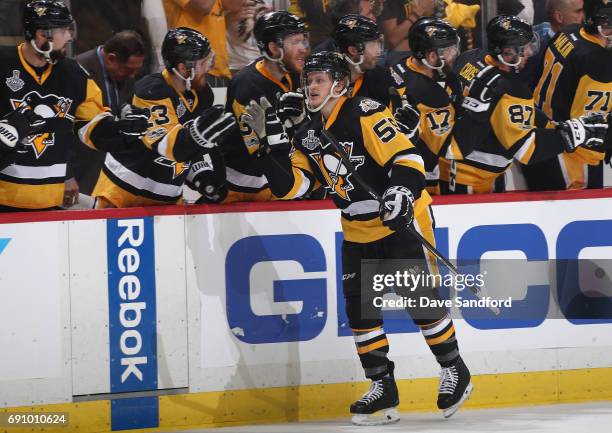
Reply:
x=35, y=179
x=145, y=175
x=516, y=130
x=437, y=116
x=373, y=84
x=368, y=133
x=245, y=181
x=576, y=79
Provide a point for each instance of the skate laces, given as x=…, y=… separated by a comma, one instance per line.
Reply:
x=449, y=377
x=376, y=391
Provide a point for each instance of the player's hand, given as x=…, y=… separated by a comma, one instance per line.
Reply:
x=134, y=121
x=17, y=125
x=589, y=131
x=397, y=211
x=481, y=93
x=208, y=178
x=290, y=108
x=408, y=118
x=71, y=192
x=213, y=125
x=262, y=118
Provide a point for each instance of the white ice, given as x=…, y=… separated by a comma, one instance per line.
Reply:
x=560, y=418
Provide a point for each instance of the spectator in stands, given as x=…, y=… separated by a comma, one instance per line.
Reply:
x=397, y=18
x=321, y=16
x=113, y=67
x=207, y=17
x=241, y=44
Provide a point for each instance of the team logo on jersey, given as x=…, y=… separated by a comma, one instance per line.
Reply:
x=334, y=171
x=178, y=168
x=155, y=134
x=15, y=83
x=368, y=105
x=181, y=109
x=47, y=107
x=310, y=142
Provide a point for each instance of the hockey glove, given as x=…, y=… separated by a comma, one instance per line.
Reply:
x=481, y=93
x=589, y=131
x=408, y=118
x=134, y=121
x=208, y=179
x=397, y=211
x=17, y=125
x=213, y=125
x=262, y=118
x=290, y=108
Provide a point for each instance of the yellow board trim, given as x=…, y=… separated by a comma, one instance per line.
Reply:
x=329, y=401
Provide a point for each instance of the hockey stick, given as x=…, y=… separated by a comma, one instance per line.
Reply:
x=357, y=177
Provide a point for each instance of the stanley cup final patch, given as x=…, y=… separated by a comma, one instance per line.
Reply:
x=15, y=83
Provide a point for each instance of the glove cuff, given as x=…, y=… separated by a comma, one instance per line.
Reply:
x=8, y=134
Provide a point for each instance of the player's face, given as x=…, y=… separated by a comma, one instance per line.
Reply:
x=372, y=53
x=61, y=38
x=573, y=13
x=296, y=48
x=449, y=54
x=120, y=71
x=518, y=55
x=319, y=85
x=202, y=68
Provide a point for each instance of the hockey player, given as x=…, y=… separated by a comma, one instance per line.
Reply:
x=283, y=42
x=40, y=79
x=388, y=160
x=184, y=130
x=515, y=129
x=576, y=79
x=361, y=42
x=425, y=78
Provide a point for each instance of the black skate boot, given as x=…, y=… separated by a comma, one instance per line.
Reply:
x=382, y=396
x=455, y=388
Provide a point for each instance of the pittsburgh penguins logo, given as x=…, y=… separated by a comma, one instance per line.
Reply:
x=47, y=106
x=178, y=168
x=334, y=171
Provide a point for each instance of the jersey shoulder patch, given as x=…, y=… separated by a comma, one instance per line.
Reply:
x=368, y=105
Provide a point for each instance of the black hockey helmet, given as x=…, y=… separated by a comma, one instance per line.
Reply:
x=184, y=45
x=275, y=27
x=429, y=33
x=355, y=30
x=597, y=13
x=507, y=31
x=45, y=15
x=328, y=61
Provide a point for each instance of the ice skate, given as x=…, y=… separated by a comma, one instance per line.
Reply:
x=377, y=406
x=455, y=388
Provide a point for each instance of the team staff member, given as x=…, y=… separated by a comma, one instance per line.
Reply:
x=394, y=169
x=38, y=77
x=184, y=130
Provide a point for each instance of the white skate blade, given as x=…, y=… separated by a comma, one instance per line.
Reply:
x=448, y=412
x=385, y=416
